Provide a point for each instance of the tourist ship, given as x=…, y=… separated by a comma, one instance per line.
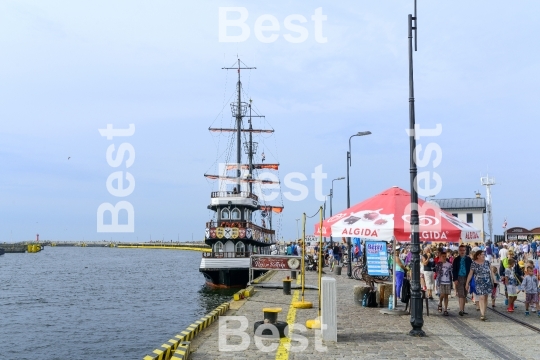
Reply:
x=241, y=223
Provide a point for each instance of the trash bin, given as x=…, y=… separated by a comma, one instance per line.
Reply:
x=337, y=270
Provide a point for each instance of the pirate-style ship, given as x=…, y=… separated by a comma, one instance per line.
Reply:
x=233, y=232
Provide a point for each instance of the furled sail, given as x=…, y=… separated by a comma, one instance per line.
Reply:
x=254, y=131
x=236, y=179
x=255, y=166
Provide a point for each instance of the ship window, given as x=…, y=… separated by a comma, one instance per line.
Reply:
x=218, y=247
x=225, y=213
x=240, y=247
x=246, y=214
x=235, y=214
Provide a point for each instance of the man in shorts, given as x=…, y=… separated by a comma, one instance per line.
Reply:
x=461, y=267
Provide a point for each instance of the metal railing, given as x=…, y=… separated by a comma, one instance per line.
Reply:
x=238, y=224
x=242, y=254
x=244, y=194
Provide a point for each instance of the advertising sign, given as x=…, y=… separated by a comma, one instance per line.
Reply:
x=377, y=258
x=275, y=262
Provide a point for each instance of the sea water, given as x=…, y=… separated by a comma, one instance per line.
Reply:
x=99, y=303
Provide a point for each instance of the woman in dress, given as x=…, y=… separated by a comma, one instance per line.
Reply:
x=483, y=278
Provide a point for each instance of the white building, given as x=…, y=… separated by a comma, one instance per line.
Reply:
x=469, y=210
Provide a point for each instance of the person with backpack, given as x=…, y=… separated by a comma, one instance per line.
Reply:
x=295, y=249
x=534, y=248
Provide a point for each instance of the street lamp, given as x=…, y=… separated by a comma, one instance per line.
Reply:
x=297, y=231
x=331, y=197
x=349, y=265
x=324, y=208
x=417, y=320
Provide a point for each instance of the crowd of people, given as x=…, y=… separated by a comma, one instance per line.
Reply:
x=478, y=270
x=333, y=253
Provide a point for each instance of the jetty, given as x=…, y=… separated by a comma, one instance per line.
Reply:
x=362, y=332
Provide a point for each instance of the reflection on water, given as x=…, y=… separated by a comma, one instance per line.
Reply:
x=99, y=303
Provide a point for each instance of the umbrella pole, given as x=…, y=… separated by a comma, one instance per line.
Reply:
x=394, y=300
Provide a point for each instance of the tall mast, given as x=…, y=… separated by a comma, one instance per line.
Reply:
x=239, y=126
x=250, y=150
x=239, y=115
x=488, y=182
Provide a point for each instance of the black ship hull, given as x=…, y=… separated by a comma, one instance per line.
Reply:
x=228, y=278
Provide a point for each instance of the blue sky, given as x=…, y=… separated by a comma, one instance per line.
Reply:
x=70, y=68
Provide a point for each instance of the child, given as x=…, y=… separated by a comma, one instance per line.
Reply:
x=443, y=269
x=530, y=286
x=495, y=290
x=511, y=282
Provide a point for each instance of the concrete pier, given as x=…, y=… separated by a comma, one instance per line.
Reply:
x=362, y=333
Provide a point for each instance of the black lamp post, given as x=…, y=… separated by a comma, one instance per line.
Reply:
x=349, y=265
x=417, y=320
x=331, y=197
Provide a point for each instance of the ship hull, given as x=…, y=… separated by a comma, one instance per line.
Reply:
x=227, y=273
x=226, y=278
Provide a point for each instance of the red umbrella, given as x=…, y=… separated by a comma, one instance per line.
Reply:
x=387, y=214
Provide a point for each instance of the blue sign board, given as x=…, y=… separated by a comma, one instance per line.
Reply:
x=377, y=258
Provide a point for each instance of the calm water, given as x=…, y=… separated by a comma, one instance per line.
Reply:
x=98, y=303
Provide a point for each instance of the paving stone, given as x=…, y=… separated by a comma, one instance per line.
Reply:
x=366, y=333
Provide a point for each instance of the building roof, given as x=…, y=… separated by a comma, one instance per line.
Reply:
x=462, y=204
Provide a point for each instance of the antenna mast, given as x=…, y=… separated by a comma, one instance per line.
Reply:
x=488, y=182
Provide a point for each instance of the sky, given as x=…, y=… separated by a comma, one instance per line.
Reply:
x=70, y=68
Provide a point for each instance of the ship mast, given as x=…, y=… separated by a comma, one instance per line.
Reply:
x=250, y=150
x=239, y=116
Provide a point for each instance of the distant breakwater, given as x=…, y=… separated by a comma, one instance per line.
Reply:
x=170, y=246
x=22, y=247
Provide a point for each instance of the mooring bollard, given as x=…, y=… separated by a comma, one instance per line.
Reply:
x=293, y=275
x=337, y=270
x=287, y=286
x=270, y=324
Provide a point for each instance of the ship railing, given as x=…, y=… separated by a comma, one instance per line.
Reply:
x=233, y=254
x=238, y=224
x=243, y=194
